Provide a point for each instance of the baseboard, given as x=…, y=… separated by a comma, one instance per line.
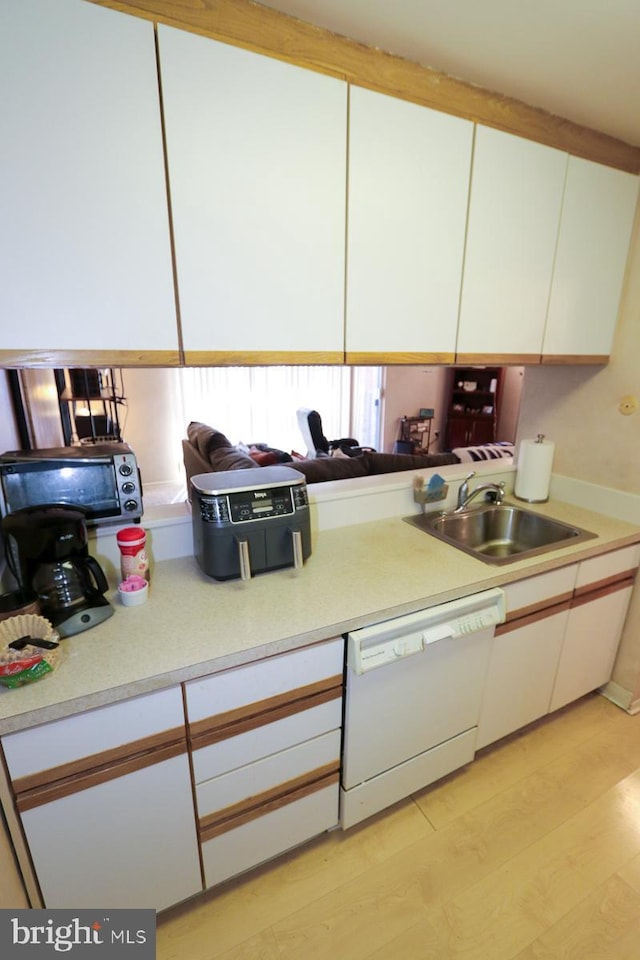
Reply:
x=621, y=697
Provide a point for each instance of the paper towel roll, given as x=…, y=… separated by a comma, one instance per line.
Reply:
x=533, y=474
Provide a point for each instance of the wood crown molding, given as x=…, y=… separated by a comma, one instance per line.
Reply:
x=255, y=27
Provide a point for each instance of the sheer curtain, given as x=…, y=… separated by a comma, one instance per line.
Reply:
x=259, y=404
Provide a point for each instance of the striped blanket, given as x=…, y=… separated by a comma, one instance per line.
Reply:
x=488, y=451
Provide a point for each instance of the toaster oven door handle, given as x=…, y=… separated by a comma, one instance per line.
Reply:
x=243, y=556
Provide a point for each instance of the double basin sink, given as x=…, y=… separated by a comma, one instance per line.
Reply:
x=499, y=533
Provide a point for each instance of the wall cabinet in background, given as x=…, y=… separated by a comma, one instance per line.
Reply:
x=408, y=187
x=598, y=211
x=266, y=234
x=84, y=243
x=514, y=213
x=257, y=166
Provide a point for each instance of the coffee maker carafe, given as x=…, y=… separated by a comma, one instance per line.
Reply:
x=50, y=556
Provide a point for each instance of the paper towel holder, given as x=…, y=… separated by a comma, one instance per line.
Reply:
x=533, y=476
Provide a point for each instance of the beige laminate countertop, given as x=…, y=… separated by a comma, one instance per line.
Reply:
x=192, y=625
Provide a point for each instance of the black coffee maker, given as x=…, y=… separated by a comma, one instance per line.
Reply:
x=46, y=549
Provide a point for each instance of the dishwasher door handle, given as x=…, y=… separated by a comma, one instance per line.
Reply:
x=443, y=631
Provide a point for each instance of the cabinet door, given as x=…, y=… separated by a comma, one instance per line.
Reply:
x=106, y=804
x=408, y=187
x=128, y=841
x=521, y=675
x=482, y=430
x=257, y=160
x=84, y=242
x=457, y=432
x=598, y=611
x=595, y=231
x=590, y=645
x=525, y=653
x=514, y=214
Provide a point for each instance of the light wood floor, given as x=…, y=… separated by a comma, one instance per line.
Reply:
x=530, y=853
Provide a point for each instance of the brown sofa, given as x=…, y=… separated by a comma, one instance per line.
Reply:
x=207, y=450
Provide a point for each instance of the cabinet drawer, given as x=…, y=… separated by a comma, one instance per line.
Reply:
x=598, y=570
x=233, y=752
x=542, y=591
x=145, y=722
x=221, y=797
x=265, y=837
x=253, y=682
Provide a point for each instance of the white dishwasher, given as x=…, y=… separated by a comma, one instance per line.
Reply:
x=414, y=689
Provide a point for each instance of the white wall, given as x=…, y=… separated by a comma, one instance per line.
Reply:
x=509, y=413
x=151, y=426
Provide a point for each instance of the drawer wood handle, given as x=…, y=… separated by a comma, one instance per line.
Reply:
x=37, y=788
x=574, y=598
x=603, y=589
x=202, y=733
x=260, y=804
x=532, y=614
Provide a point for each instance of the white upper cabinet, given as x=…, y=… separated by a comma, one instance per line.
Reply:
x=257, y=160
x=84, y=238
x=514, y=215
x=409, y=173
x=595, y=231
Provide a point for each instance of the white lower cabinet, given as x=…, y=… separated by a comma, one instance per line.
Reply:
x=559, y=640
x=525, y=653
x=109, y=820
x=598, y=611
x=265, y=742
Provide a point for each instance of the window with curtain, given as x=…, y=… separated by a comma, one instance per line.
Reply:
x=259, y=404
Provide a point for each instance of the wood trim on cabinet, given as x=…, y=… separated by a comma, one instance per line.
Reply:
x=256, y=358
x=534, y=613
x=594, y=591
x=44, y=786
x=89, y=358
x=259, y=28
x=221, y=726
x=565, y=601
x=360, y=358
x=497, y=359
x=260, y=804
x=565, y=359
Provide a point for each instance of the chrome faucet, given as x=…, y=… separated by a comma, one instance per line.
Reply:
x=465, y=498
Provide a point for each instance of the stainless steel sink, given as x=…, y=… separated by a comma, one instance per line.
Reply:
x=499, y=533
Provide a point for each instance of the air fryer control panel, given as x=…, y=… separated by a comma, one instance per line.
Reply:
x=252, y=505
